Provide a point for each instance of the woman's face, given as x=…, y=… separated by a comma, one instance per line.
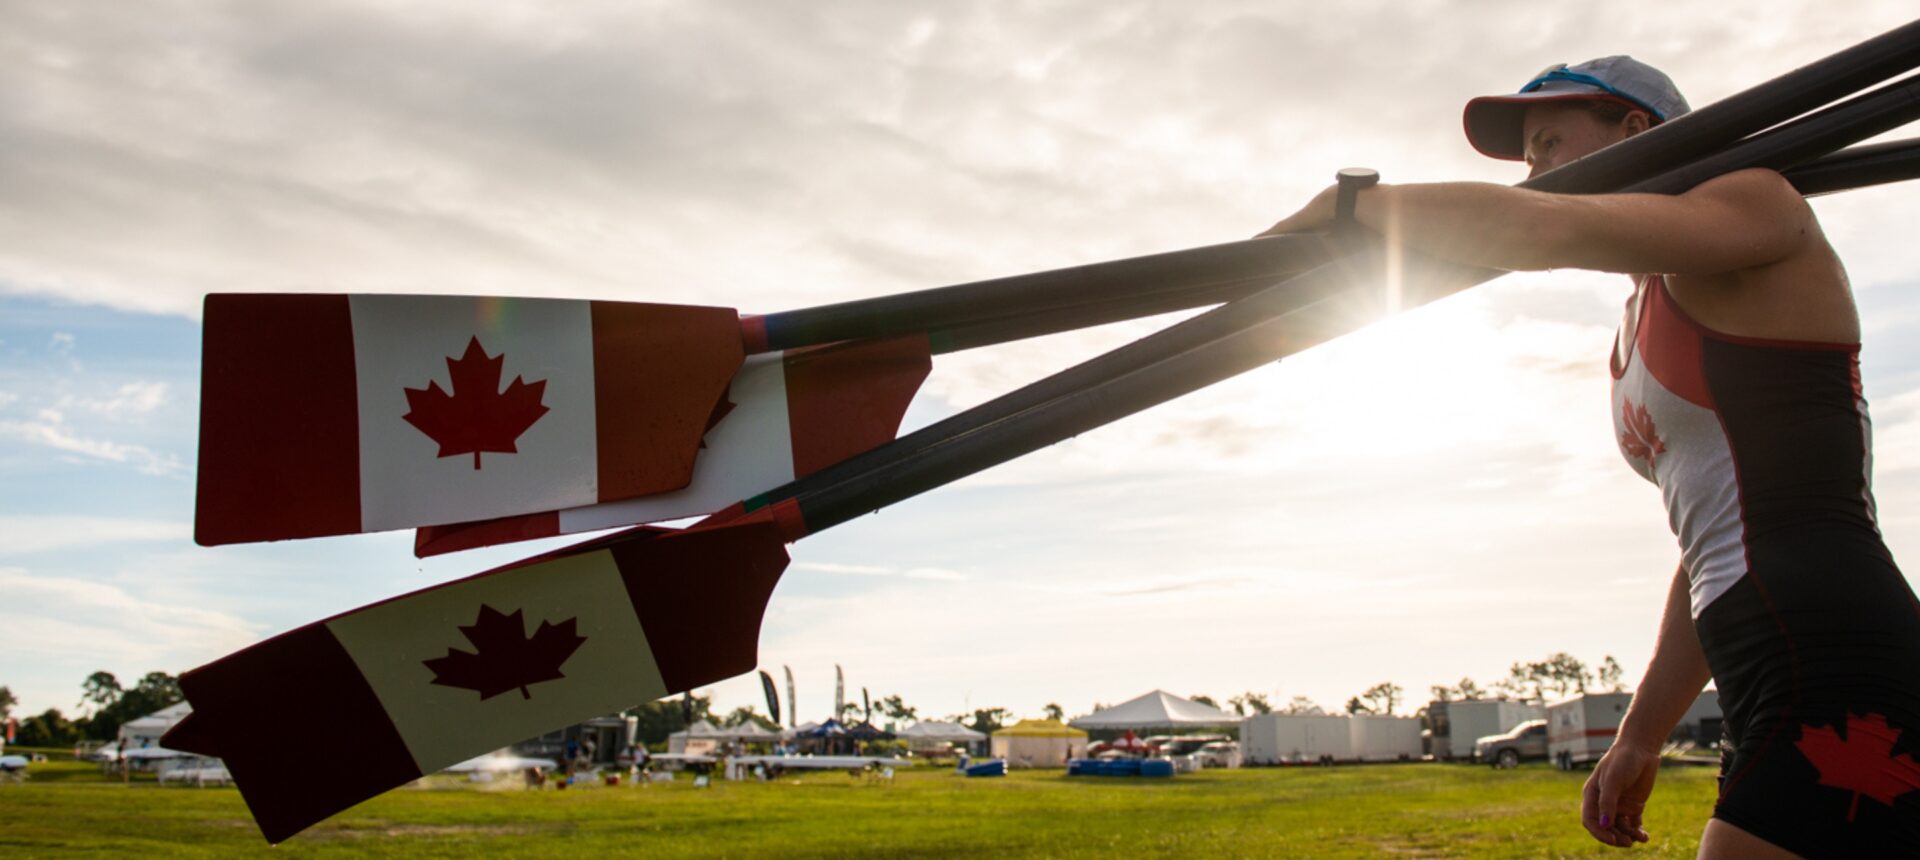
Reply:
x=1555, y=133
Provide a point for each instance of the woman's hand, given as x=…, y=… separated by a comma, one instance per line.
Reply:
x=1616, y=794
x=1318, y=215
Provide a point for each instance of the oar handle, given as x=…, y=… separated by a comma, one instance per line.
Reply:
x=1351, y=181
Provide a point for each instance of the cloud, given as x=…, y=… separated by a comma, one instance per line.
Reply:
x=22, y=534
x=132, y=400
x=50, y=430
x=61, y=629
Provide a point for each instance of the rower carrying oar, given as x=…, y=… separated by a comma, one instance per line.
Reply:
x=610, y=631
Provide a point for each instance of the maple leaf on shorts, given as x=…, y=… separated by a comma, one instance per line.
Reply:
x=504, y=657
x=1861, y=763
x=477, y=417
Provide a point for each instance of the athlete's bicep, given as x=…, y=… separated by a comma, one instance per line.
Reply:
x=1738, y=221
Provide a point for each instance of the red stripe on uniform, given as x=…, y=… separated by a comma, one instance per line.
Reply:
x=847, y=398
x=277, y=376
x=270, y=748
x=1669, y=346
x=658, y=371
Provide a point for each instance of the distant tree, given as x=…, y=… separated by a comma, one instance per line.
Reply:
x=1098, y=707
x=7, y=701
x=100, y=690
x=1251, y=702
x=1053, y=711
x=1468, y=691
x=746, y=714
x=1355, y=706
x=1382, y=697
x=1302, y=705
x=895, y=708
x=849, y=712
x=1441, y=693
x=1610, y=675
x=49, y=729
x=658, y=719
x=984, y=720
x=1204, y=699
x=1564, y=674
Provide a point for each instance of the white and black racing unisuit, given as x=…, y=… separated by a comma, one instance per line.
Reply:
x=1762, y=451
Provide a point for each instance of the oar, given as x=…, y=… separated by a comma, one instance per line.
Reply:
x=1863, y=165
x=325, y=414
x=613, y=626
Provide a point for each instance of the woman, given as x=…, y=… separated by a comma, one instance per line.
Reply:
x=1736, y=391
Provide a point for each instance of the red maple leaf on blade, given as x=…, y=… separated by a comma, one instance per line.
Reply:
x=504, y=657
x=1640, y=440
x=477, y=417
x=1861, y=763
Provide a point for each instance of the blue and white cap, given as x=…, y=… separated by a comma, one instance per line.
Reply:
x=1494, y=122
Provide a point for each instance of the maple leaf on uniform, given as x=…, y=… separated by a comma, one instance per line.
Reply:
x=477, y=417
x=1861, y=763
x=1640, y=440
x=504, y=657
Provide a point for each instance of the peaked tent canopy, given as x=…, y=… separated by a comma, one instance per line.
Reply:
x=1157, y=710
x=935, y=731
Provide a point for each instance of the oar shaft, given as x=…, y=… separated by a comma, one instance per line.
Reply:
x=941, y=308
x=1859, y=167
x=1236, y=337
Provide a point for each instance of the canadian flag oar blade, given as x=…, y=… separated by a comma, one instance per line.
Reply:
x=430, y=679
x=335, y=414
x=785, y=416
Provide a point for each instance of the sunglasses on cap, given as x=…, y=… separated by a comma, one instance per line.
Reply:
x=1560, y=72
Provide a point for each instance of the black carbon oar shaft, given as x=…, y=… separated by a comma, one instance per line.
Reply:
x=1057, y=290
x=1859, y=167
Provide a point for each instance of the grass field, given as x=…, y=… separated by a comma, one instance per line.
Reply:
x=1418, y=810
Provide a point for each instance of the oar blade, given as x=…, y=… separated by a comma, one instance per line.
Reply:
x=423, y=681
x=337, y=414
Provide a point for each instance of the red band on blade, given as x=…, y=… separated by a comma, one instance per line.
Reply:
x=658, y=371
x=261, y=474
x=787, y=517
x=753, y=333
x=439, y=540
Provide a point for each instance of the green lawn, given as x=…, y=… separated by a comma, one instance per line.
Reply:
x=1419, y=810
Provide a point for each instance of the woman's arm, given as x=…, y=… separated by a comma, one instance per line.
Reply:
x=1743, y=220
x=1616, y=795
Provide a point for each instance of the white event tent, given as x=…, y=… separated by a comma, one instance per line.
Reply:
x=934, y=734
x=1156, y=710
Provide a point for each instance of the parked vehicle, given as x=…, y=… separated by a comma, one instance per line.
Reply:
x=1458, y=726
x=1296, y=739
x=1580, y=730
x=1218, y=754
x=1524, y=742
x=1378, y=737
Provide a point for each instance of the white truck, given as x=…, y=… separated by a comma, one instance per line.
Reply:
x=1581, y=729
x=1378, y=737
x=1272, y=739
x=1457, y=725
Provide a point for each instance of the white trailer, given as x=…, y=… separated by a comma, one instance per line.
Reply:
x=1377, y=737
x=1457, y=725
x=1581, y=729
x=1295, y=739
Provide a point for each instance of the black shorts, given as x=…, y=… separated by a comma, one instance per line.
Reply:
x=1816, y=654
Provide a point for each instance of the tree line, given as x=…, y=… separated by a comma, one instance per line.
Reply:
x=105, y=704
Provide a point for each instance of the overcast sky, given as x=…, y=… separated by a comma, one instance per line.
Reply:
x=1433, y=498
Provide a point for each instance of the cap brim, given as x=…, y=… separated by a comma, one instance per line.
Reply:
x=1494, y=123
